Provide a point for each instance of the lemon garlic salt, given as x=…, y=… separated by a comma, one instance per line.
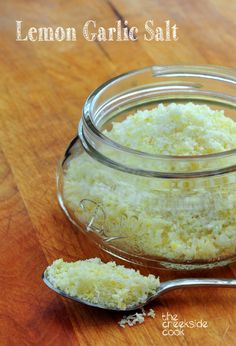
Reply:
x=176, y=129
x=183, y=219
x=105, y=284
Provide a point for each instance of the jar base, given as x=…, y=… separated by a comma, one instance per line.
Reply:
x=166, y=264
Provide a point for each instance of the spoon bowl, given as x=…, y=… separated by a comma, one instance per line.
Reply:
x=163, y=288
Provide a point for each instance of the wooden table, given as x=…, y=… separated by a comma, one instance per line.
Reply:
x=43, y=87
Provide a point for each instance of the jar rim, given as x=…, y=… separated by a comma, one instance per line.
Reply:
x=219, y=73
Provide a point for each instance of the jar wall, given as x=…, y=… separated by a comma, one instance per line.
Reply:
x=177, y=220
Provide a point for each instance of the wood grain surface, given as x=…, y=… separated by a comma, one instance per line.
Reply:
x=43, y=87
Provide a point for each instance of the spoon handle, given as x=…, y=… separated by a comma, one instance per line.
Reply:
x=181, y=283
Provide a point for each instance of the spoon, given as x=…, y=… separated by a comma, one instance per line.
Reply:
x=163, y=288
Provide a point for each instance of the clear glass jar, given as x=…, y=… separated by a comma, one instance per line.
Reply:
x=167, y=211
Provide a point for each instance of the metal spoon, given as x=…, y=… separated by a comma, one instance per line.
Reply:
x=163, y=288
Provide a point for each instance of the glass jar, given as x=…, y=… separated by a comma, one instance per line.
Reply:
x=166, y=211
